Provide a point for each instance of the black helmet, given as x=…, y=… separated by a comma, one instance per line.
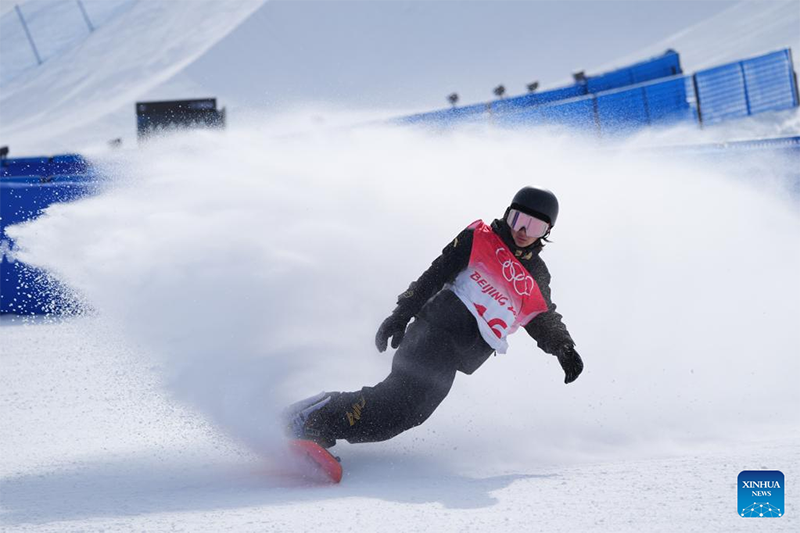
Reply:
x=539, y=203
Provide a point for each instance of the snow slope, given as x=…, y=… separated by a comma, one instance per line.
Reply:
x=99, y=449
x=38, y=113
x=746, y=29
x=90, y=84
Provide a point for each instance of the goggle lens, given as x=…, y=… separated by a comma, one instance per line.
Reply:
x=533, y=226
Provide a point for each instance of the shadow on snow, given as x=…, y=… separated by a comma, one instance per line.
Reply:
x=142, y=485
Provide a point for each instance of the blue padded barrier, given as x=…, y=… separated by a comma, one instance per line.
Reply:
x=579, y=114
x=654, y=103
x=68, y=164
x=616, y=111
x=534, y=99
x=661, y=67
x=446, y=117
x=25, y=166
x=769, y=81
x=756, y=85
x=671, y=101
x=622, y=111
x=23, y=289
x=667, y=64
x=43, y=166
x=721, y=93
x=657, y=96
x=575, y=113
x=612, y=80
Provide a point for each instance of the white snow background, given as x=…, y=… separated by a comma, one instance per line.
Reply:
x=232, y=273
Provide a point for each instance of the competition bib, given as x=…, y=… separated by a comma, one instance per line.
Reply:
x=499, y=292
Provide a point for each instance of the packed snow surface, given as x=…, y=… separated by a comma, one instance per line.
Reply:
x=230, y=274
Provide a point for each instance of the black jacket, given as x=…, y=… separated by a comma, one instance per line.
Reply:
x=426, y=299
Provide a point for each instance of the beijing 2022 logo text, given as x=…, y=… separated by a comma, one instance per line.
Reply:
x=761, y=494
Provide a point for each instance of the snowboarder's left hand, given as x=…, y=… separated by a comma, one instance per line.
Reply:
x=394, y=327
x=571, y=362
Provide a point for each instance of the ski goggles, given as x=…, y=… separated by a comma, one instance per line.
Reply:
x=533, y=226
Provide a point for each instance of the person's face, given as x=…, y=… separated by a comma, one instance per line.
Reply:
x=525, y=229
x=521, y=238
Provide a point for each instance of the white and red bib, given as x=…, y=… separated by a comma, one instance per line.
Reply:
x=496, y=288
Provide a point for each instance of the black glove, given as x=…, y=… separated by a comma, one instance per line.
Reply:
x=394, y=327
x=571, y=362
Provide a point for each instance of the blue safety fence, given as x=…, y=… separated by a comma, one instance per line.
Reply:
x=67, y=164
x=660, y=67
x=665, y=65
x=448, y=117
x=27, y=187
x=614, y=112
x=748, y=87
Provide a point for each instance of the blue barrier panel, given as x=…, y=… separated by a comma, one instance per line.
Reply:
x=667, y=65
x=671, y=101
x=721, y=93
x=660, y=67
x=25, y=166
x=612, y=80
x=23, y=289
x=68, y=164
x=617, y=111
x=622, y=111
x=756, y=85
x=534, y=99
x=446, y=117
x=769, y=81
x=578, y=114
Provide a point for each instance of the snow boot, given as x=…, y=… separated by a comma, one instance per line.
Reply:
x=303, y=421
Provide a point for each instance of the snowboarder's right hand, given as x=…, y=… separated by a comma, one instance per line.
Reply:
x=571, y=362
x=394, y=327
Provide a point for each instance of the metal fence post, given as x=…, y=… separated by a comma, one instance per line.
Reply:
x=646, y=107
x=744, y=86
x=28, y=33
x=697, y=99
x=793, y=77
x=596, y=115
x=85, y=16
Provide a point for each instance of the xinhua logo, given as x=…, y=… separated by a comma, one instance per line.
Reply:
x=761, y=494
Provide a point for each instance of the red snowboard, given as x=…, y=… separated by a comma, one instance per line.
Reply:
x=318, y=461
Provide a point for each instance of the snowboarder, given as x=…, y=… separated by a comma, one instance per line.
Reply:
x=489, y=281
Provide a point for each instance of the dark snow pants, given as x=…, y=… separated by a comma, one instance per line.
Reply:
x=423, y=370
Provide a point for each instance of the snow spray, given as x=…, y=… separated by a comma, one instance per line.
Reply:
x=257, y=268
